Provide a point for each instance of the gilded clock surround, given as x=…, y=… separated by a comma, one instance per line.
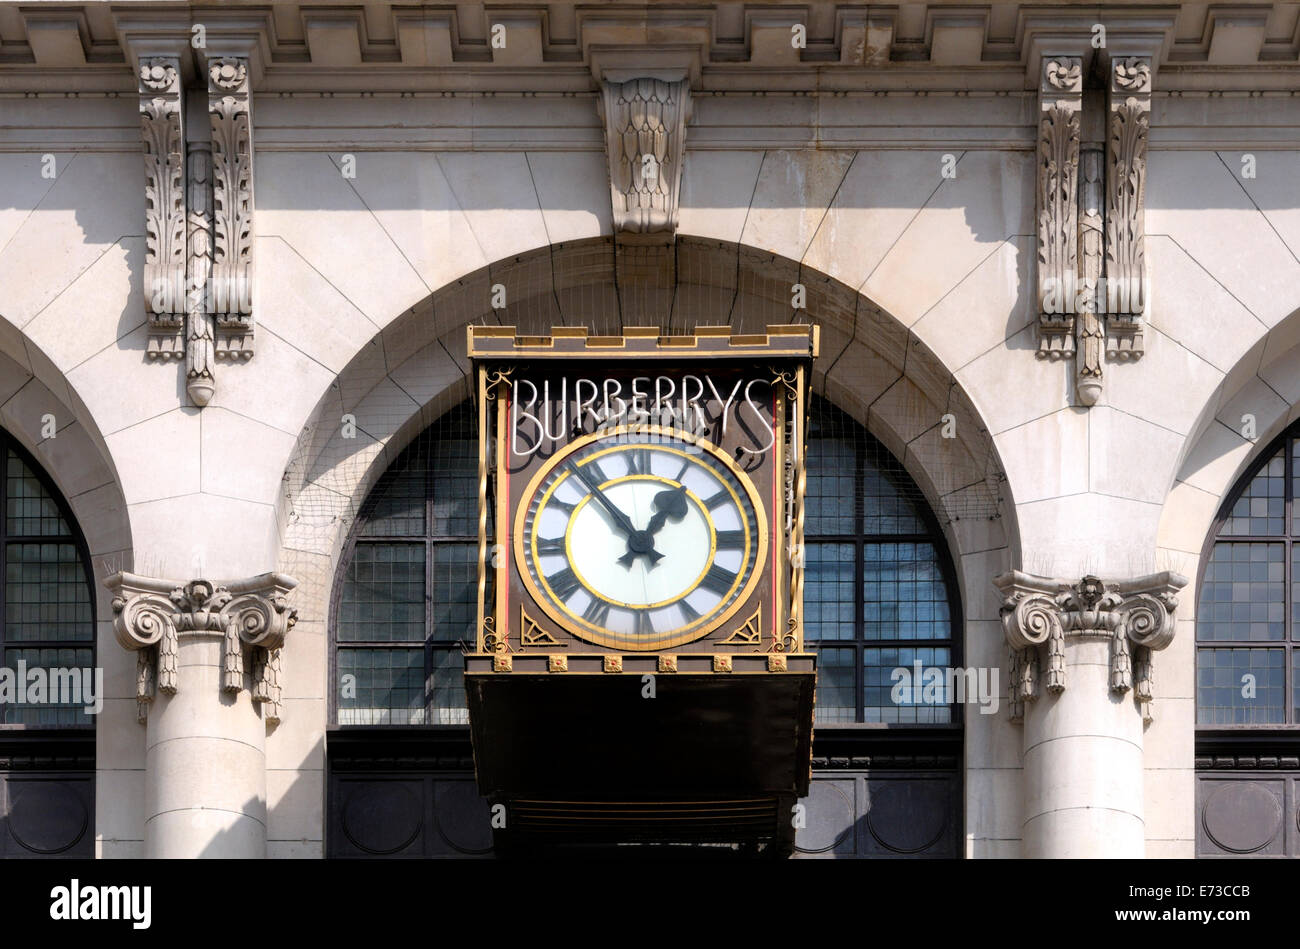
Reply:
x=517, y=617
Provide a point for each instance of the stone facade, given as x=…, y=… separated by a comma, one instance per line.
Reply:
x=932, y=177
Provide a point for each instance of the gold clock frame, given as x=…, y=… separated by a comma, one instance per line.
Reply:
x=787, y=349
x=566, y=620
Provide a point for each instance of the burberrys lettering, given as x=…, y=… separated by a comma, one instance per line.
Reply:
x=552, y=410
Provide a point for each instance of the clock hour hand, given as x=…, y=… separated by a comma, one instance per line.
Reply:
x=670, y=503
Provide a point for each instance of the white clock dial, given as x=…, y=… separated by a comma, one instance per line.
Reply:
x=638, y=541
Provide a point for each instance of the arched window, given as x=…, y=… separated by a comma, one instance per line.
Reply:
x=407, y=596
x=47, y=621
x=1247, y=626
x=879, y=593
x=48, y=683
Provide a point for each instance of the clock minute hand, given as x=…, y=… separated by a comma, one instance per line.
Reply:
x=624, y=522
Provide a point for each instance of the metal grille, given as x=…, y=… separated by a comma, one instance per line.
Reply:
x=48, y=619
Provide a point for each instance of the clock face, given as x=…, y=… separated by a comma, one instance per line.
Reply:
x=637, y=539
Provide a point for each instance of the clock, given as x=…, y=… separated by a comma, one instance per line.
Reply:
x=638, y=538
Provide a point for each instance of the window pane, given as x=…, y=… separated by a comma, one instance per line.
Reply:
x=30, y=510
x=1243, y=594
x=449, y=688
x=905, y=596
x=898, y=689
x=383, y=594
x=828, y=591
x=836, y=675
x=455, y=488
x=887, y=507
x=1261, y=507
x=45, y=594
x=1221, y=680
x=50, y=687
x=828, y=499
x=381, y=686
x=455, y=592
x=396, y=507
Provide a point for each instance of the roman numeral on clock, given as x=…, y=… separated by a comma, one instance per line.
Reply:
x=638, y=461
x=688, y=612
x=564, y=583
x=559, y=505
x=645, y=627
x=550, y=545
x=731, y=540
x=718, y=580
x=717, y=500
x=597, y=612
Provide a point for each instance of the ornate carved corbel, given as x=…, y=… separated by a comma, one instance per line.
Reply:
x=231, y=292
x=151, y=616
x=1129, y=108
x=645, y=141
x=1060, y=99
x=161, y=118
x=1135, y=616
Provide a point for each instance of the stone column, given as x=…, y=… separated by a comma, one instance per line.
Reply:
x=1081, y=682
x=207, y=684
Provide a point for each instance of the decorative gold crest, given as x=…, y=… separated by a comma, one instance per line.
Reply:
x=776, y=662
x=667, y=663
x=613, y=663
x=503, y=662
x=721, y=663
x=557, y=663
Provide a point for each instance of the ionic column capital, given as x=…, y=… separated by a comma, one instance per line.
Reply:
x=1135, y=614
x=151, y=616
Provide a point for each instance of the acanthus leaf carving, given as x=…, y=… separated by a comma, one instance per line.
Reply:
x=161, y=126
x=230, y=297
x=1060, y=101
x=1126, y=168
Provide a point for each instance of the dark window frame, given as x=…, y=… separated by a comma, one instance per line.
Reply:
x=1288, y=644
x=42, y=731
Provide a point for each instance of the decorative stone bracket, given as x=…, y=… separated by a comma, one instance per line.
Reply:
x=645, y=142
x=1136, y=616
x=198, y=218
x=151, y=616
x=1091, y=277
